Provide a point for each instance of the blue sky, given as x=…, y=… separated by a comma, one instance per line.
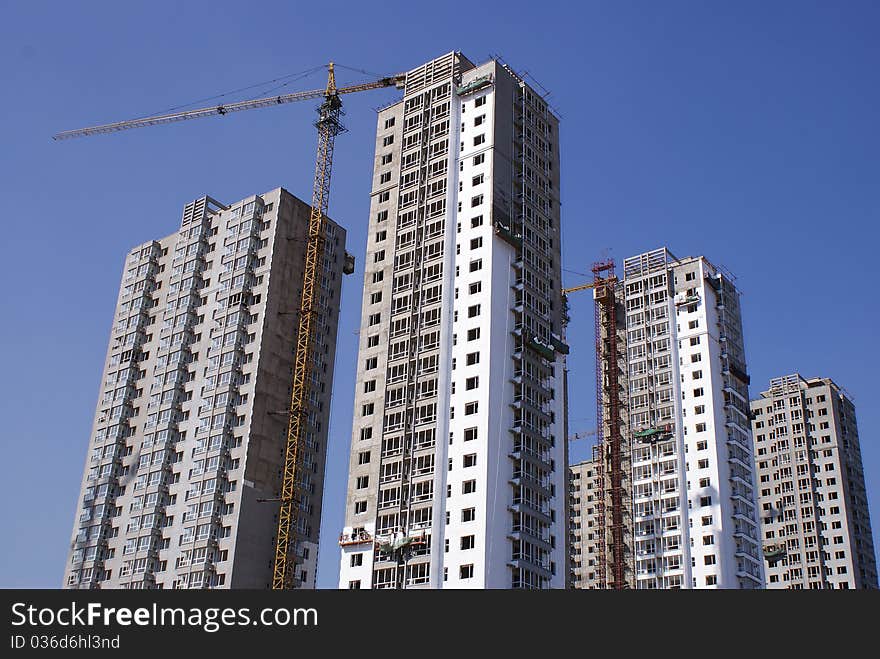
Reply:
x=743, y=131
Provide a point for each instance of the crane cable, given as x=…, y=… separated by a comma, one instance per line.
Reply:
x=291, y=77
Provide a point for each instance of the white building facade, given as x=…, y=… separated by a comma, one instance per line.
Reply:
x=694, y=504
x=457, y=475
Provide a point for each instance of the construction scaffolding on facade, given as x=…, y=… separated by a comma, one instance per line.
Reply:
x=614, y=502
x=611, y=553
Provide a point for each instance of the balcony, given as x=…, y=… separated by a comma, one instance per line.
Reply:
x=538, y=458
x=527, y=564
x=522, y=479
x=523, y=507
x=528, y=536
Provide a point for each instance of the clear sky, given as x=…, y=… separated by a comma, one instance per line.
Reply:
x=743, y=131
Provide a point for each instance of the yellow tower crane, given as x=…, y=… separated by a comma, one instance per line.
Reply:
x=329, y=126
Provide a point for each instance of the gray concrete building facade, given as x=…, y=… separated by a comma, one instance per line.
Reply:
x=191, y=421
x=815, y=524
x=585, y=525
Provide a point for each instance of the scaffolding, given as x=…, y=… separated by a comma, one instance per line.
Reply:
x=612, y=509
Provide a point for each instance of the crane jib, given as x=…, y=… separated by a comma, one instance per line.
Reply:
x=252, y=104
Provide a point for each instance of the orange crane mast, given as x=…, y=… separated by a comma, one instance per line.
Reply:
x=612, y=548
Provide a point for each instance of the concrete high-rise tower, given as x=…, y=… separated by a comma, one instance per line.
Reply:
x=585, y=525
x=694, y=505
x=458, y=454
x=191, y=423
x=814, y=509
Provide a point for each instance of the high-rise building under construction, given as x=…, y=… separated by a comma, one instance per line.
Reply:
x=183, y=471
x=814, y=509
x=458, y=451
x=694, y=519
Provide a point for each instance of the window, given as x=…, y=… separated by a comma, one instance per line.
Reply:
x=367, y=409
x=703, y=464
x=476, y=264
x=388, y=140
x=470, y=434
x=467, y=542
x=700, y=409
x=693, y=324
x=711, y=580
x=698, y=392
x=473, y=310
x=381, y=235
x=475, y=288
x=479, y=159
x=468, y=514
x=384, y=196
x=476, y=243
x=389, y=122
x=696, y=375
x=472, y=383
x=701, y=427
x=470, y=460
x=360, y=507
x=480, y=139
x=706, y=501
x=372, y=341
x=371, y=363
x=477, y=180
x=695, y=358
x=472, y=358
x=386, y=159
x=364, y=457
x=476, y=200
x=480, y=101
x=473, y=334
x=385, y=177
x=375, y=319
x=471, y=408
x=357, y=560
x=354, y=585
x=708, y=540
x=476, y=221
x=695, y=340
x=375, y=297
x=705, y=482
x=466, y=571
x=709, y=560
x=707, y=520
x=469, y=487
x=379, y=256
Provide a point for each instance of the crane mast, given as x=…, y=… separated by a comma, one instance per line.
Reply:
x=329, y=126
x=611, y=507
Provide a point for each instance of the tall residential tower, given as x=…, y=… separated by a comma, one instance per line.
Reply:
x=694, y=506
x=585, y=525
x=191, y=423
x=814, y=510
x=457, y=475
